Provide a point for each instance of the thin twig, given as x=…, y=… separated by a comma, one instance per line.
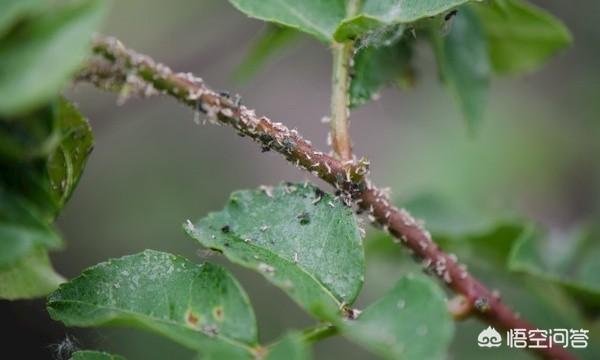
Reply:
x=349, y=177
x=340, y=82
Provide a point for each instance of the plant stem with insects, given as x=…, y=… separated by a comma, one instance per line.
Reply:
x=350, y=177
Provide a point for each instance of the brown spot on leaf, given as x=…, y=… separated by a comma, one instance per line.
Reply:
x=218, y=313
x=192, y=319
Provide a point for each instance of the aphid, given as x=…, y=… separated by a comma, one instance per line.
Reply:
x=226, y=229
x=304, y=218
x=362, y=232
x=210, y=330
x=482, y=304
x=426, y=264
x=450, y=15
x=266, y=268
x=288, y=145
x=265, y=138
x=318, y=196
x=447, y=277
x=448, y=21
x=189, y=224
x=227, y=112
x=268, y=190
x=237, y=100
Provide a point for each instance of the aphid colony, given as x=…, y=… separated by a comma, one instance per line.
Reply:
x=349, y=177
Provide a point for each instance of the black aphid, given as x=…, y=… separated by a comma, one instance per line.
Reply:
x=304, y=218
x=288, y=145
x=237, y=100
x=265, y=139
x=450, y=15
x=199, y=107
x=319, y=193
x=225, y=229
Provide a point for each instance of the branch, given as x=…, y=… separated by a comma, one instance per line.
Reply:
x=348, y=177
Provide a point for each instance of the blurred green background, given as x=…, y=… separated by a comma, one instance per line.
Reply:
x=153, y=167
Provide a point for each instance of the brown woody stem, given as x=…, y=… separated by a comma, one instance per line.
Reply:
x=349, y=176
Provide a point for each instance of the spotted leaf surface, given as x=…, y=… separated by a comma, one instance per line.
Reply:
x=301, y=239
x=410, y=322
x=199, y=306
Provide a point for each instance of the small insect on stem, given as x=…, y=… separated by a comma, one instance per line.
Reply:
x=450, y=15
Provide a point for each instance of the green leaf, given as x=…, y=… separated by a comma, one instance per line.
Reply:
x=44, y=155
x=66, y=164
x=13, y=11
x=30, y=277
x=410, y=322
x=463, y=62
x=38, y=58
x=41, y=159
x=570, y=262
x=290, y=347
x=94, y=355
x=199, y=306
x=301, y=239
x=271, y=41
x=376, y=15
x=29, y=137
x=315, y=17
x=520, y=35
x=377, y=66
x=22, y=230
